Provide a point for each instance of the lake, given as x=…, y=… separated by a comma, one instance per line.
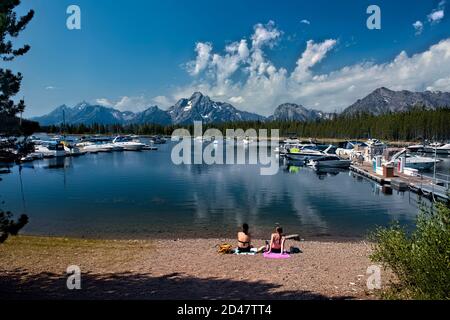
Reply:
x=144, y=195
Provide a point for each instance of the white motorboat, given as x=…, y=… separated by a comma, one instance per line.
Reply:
x=348, y=148
x=416, y=148
x=73, y=151
x=413, y=161
x=128, y=144
x=438, y=148
x=329, y=161
x=420, y=163
x=51, y=149
x=91, y=147
x=293, y=143
x=113, y=147
x=306, y=153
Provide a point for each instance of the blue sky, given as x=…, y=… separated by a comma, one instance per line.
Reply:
x=133, y=54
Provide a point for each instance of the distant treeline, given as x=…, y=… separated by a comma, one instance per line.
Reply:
x=407, y=126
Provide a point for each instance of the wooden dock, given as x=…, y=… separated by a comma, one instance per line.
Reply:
x=421, y=185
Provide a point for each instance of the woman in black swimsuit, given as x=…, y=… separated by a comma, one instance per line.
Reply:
x=244, y=239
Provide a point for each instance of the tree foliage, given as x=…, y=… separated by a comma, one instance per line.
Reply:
x=9, y=227
x=420, y=261
x=10, y=27
x=414, y=125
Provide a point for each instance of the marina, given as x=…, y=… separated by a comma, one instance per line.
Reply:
x=139, y=194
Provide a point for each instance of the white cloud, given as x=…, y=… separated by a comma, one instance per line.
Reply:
x=437, y=14
x=264, y=86
x=442, y=84
x=265, y=35
x=163, y=101
x=50, y=88
x=314, y=53
x=304, y=21
x=137, y=103
x=237, y=100
x=125, y=103
x=203, y=56
x=418, y=26
x=104, y=102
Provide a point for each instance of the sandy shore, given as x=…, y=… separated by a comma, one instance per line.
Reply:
x=35, y=267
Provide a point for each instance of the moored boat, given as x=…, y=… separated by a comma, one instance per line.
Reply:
x=51, y=149
x=330, y=161
x=306, y=153
x=128, y=144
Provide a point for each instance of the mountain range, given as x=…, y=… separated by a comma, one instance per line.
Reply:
x=383, y=101
x=201, y=108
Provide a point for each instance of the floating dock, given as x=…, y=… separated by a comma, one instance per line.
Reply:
x=421, y=185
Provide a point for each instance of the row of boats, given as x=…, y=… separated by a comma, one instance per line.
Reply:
x=312, y=154
x=438, y=148
x=63, y=147
x=347, y=152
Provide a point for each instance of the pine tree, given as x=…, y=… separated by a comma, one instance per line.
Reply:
x=10, y=27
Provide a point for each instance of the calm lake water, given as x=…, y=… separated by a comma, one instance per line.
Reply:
x=144, y=195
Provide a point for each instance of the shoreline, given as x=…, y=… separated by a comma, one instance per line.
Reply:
x=178, y=237
x=280, y=139
x=35, y=268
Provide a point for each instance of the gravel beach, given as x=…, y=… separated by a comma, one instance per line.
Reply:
x=35, y=268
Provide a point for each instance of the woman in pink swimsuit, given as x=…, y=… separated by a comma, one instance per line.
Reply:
x=277, y=241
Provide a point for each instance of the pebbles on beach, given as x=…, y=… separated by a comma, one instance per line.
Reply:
x=182, y=269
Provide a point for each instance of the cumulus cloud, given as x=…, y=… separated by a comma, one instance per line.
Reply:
x=137, y=103
x=125, y=103
x=262, y=86
x=265, y=35
x=50, y=88
x=203, y=56
x=104, y=102
x=418, y=26
x=237, y=100
x=437, y=14
x=314, y=53
x=304, y=21
x=163, y=101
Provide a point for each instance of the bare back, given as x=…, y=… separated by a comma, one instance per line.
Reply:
x=244, y=240
x=277, y=240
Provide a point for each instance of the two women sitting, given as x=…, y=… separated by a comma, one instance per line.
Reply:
x=276, y=244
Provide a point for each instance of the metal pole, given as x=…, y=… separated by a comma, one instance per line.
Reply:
x=434, y=171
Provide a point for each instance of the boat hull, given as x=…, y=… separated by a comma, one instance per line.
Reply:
x=332, y=164
x=302, y=156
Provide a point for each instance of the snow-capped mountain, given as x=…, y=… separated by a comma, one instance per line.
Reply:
x=201, y=108
x=197, y=108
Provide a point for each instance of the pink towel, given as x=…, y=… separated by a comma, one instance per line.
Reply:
x=276, y=255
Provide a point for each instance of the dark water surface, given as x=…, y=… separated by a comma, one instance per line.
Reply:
x=144, y=195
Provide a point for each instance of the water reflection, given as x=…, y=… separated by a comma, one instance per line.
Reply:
x=142, y=194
